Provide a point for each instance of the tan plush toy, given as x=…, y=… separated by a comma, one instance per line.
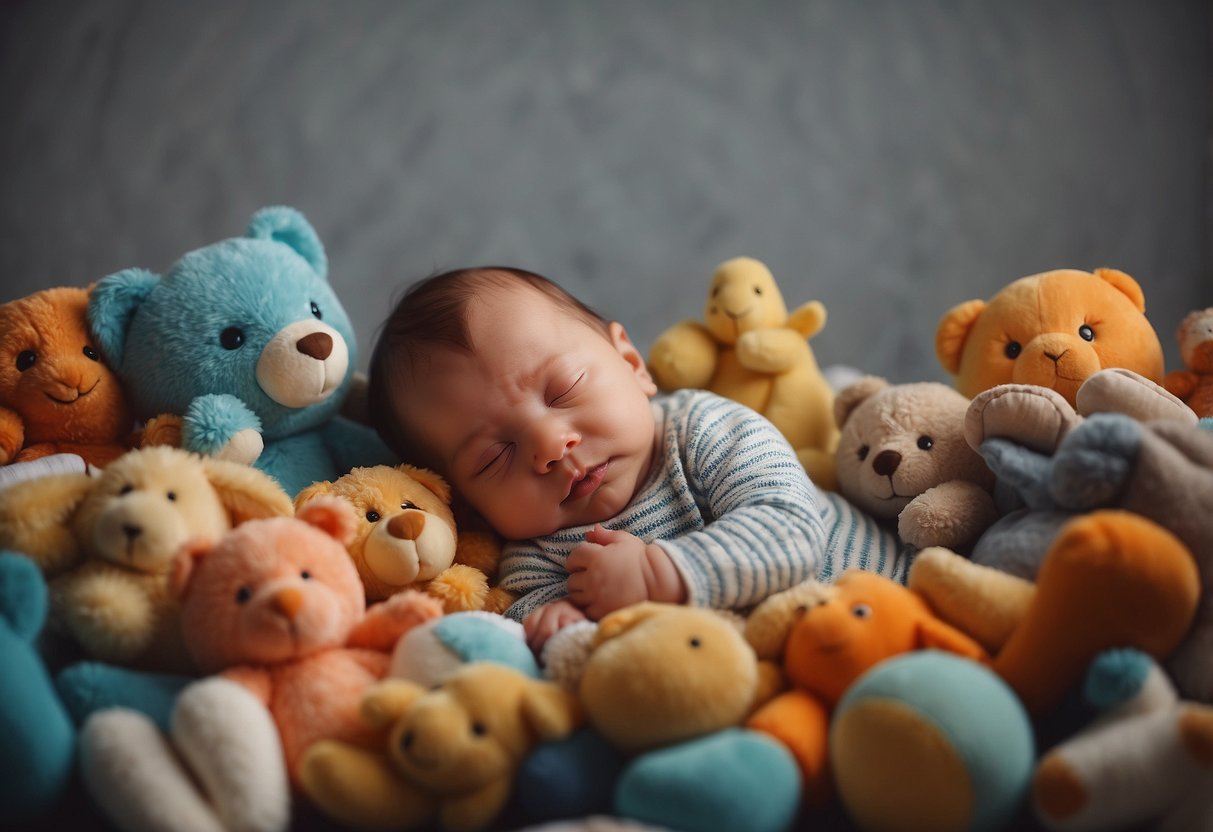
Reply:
x=1195, y=383
x=903, y=456
x=451, y=752
x=56, y=395
x=407, y=538
x=750, y=349
x=109, y=541
x=1053, y=329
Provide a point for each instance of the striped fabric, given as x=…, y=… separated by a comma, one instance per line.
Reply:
x=731, y=505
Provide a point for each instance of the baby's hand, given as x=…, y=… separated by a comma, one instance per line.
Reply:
x=543, y=623
x=615, y=569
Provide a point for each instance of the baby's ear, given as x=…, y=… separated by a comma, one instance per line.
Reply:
x=622, y=343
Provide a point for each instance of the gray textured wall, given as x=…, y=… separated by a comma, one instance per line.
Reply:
x=888, y=158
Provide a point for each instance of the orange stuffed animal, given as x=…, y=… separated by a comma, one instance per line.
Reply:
x=56, y=395
x=1195, y=384
x=1054, y=329
x=277, y=605
x=827, y=637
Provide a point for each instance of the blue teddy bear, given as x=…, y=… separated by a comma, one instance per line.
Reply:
x=247, y=342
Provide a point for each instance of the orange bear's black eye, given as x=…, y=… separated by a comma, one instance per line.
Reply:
x=90, y=353
x=372, y=516
x=26, y=359
x=408, y=504
x=1013, y=349
x=1086, y=333
x=243, y=594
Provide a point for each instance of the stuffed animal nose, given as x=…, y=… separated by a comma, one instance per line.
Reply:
x=886, y=463
x=318, y=345
x=288, y=601
x=406, y=526
x=130, y=531
x=1055, y=357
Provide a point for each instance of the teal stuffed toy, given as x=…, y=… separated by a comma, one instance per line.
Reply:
x=247, y=342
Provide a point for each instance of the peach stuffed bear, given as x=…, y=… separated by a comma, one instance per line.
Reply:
x=277, y=605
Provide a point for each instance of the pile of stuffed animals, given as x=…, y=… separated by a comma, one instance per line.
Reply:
x=181, y=472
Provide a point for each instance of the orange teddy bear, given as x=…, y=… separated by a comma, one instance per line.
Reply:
x=1195, y=384
x=56, y=395
x=277, y=605
x=827, y=637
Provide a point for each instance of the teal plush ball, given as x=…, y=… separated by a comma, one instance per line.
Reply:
x=931, y=741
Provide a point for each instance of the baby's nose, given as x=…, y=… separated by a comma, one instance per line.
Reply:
x=554, y=449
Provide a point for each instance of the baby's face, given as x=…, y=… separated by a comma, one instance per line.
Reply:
x=547, y=425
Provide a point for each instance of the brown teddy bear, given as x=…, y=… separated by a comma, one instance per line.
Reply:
x=903, y=455
x=451, y=752
x=1195, y=384
x=1053, y=329
x=407, y=538
x=751, y=350
x=108, y=543
x=56, y=394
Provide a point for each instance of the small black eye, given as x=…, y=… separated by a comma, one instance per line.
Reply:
x=25, y=360
x=407, y=504
x=372, y=516
x=126, y=489
x=231, y=338
x=243, y=594
x=758, y=290
x=926, y=443
x=694, y=642
x=316, y=311
x=861, y=611
x=307, y=576
x=863, y=452
x=478, y=729
x=1013, y=349
x=406, y=740
x=172, y=496
x=1086, y=333
x=90, y=353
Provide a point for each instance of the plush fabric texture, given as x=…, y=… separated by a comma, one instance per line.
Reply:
x=407, y=538
x=245, y=334
x=1194, y=383
x=56, y=393
x=1053, y=329
x=750, y=349
x=931, y=741
x=38, y=749
x=902, y=457
x=431, y=652
x=277, y=605
x=1147, y=759
x=451, y=752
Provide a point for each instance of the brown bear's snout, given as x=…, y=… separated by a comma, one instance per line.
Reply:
x=886, y=463
x=407, y=526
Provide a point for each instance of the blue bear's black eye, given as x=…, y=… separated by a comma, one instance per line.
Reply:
x=26, y=360
x=1086, y=333
x=316, y=311
x=91, y=353
x=1013, y=349
x=231, y=338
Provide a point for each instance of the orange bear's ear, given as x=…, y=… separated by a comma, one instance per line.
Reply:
x=1125, y=284
x=429, y=480
x=312, y=491
x=954, y=330
x=332, y=515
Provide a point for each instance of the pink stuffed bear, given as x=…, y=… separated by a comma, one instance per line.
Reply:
x=278, y=606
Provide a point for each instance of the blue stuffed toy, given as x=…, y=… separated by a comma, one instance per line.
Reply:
x=246, y=341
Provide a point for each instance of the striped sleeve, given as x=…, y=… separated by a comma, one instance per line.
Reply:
x=857, y=541
x=765, y=530
x=535, y=572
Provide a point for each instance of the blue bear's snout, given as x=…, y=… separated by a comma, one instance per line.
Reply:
x=303, y=364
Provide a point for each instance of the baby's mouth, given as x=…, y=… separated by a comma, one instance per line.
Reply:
x=587, y=484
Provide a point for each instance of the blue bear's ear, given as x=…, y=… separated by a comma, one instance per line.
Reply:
x=286, y=225
x=112, y=303
x=22, y=595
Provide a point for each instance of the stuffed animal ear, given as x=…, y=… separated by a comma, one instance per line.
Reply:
x=386, y=701
x=23, y=596
x=853, y=394
x=551, y=711
x=112, y=303
x=289, y=227
x=768, y=626
x=619, y=622
x=953, y=331
x=1124, y=284
x=808, y=319
x=332, y=515
x=433, y=482
x=935, y=634
x=314, y=490
x=245, y=492
x=184, y=561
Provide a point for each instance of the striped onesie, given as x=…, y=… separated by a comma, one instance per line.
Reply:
x=730, y=504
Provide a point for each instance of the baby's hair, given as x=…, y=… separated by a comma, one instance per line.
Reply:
x=433, y=313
